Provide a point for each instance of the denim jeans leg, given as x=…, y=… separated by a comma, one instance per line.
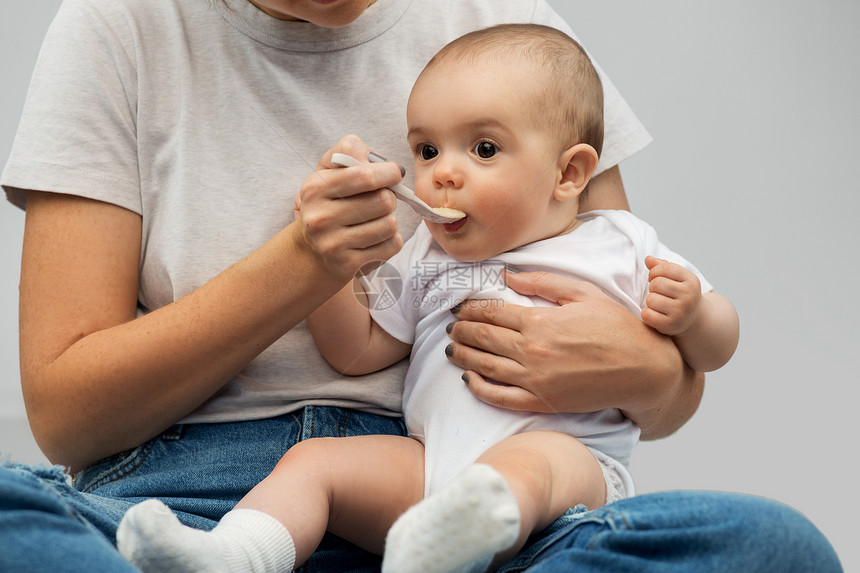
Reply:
x=41, y=532
x=685, y=532
x=199, y=470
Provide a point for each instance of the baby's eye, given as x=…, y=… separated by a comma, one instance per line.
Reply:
x=485, y=150
x=427, y=152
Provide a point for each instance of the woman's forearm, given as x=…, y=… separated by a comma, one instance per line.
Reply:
x=673, y=403
x=96, y=379
x=651, y=384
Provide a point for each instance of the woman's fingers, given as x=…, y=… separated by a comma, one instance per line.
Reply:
x=347, y=214
x=478, y=356
x=322, y=213
x=506, y=396
x=552, y=287
x=349, y=145
x=491, y=311
x=340, y=182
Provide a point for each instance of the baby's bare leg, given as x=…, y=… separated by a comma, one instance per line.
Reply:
x=355, y=487
x=547, y=472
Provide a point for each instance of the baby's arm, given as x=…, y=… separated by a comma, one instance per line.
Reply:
x=704, y=326
x=347, y=336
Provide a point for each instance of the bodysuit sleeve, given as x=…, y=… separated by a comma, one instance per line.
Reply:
x=396, y=288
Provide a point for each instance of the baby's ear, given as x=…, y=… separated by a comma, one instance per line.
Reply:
x=577, y=165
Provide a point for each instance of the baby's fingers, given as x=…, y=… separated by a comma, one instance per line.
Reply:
x=663, y=268
x=656, y=320
x=660, y=313
x=666, y=287
x=660, y=303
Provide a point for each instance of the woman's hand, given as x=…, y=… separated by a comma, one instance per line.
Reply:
x=347, y=214
x=587, y=354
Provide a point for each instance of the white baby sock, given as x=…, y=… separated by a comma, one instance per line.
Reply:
x=460, y=528
x=245, y=540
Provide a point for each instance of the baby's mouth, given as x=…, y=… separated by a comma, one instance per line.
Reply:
x=455, y=226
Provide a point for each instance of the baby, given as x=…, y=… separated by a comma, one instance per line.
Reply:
x=506, y=125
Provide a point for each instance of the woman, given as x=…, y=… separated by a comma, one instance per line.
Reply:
x=162, y=151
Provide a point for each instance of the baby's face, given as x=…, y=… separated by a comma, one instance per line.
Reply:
x=323, y=13
x=478, y=148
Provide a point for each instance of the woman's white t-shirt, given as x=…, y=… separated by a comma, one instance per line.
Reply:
x=205, y=116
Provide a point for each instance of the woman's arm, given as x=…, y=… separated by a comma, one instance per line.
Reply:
x=605, y=191
x=97, y=380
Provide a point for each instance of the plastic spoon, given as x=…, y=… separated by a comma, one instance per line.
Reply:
x=405, y=194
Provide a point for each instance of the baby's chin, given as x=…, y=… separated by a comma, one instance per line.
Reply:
x=463, y=250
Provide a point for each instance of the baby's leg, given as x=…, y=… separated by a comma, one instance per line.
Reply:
x=518, y=486
x=547, y=472
x=355, y=487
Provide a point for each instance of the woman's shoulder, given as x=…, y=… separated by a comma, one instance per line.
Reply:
x=134, y=20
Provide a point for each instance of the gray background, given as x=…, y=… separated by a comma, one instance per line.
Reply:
x=752, y=106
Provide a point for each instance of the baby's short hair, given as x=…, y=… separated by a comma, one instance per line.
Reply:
x=573, y=105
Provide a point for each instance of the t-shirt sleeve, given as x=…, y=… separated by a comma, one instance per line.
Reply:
x=77, y=131
x=624, y=134
x=396, y=288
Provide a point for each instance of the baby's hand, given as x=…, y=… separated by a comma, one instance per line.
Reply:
x=673, y=303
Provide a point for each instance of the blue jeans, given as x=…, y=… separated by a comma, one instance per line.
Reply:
x=202, y=470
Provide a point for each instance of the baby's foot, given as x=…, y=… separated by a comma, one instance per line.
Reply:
x=152, y=538
x=463, y=526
